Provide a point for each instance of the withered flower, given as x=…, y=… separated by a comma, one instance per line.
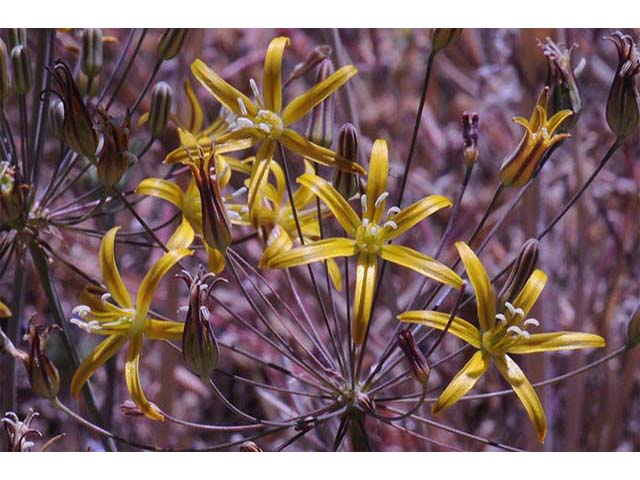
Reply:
x=417, y=363
x=623, y=114
x=113, y=157
x=522, y=269
x=19, y=432
x=561, y=80
x=43, y=374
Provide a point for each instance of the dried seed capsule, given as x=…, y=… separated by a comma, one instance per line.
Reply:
x=320, y=128
x=16, y=36
x=113, y=157
x=250, y=447
x=91, y=55
x=5, y=84
x=161, y=98
x=317, y=55
x=171, y=43
x=56, y=119
x=347, y=148
x=623, y=111
x=561, y=80
x=417, y=363
x=522, y=269
x=21, y=69
x=470, y=123
x=43, y=374
x=443, y=37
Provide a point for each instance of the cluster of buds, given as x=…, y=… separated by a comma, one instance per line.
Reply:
x=417, y=363
x=561, y=80
x=470, y=122
x=347, y=148
x=113, y=157
x=199, y=345
x=623, y=111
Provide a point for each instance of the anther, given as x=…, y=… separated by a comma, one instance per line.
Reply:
x=501, y=318
x=383, y=196
x=239, y=192
x=514, y=330
x=256, y=92
x=105, y=298
x=81, y=311
x=363, y=202
x=244, y=122
x=512, y=310
x=531, y=321
x=243, y=108
x=393, y=211
x=391, y=224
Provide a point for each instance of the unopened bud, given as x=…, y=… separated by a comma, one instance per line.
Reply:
x=623, y=111
x=56, y=119
x=522, y=269
x=5, y=84
x=161, y=98
x=322, y=118
x=417, y=363
x=113, y=157
x=21, y=69
x=633, y=329
x=443, y=37
x=250, y=447
x=16, y=36
x=91, y=55
x=561, y=80
x=316, y=56
x=470, y=123
x=43, y=374
x=171, y=43
x=87, y=85
x=347, y=148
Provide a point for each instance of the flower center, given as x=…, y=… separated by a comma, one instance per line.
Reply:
x=510, y=328
x=369, y=237
x=118, y=322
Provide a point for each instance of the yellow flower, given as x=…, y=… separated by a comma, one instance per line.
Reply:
x=500, y=333
x=123, y=321
x=370, y=236
x=518, y=168
x=265, y=122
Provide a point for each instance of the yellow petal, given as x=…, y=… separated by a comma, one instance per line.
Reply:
x=464, y=381
x=485, y=296
x=110, y=273
x=545, y=342
x=216, y=259
x=197, y=117
x=377, y=180
x=303, y=104
x=416, y=261
x=366, y=274
x=161, y=188
x=5, y=312
x=278, y=242
x=182, y=237
x=163, y=329
x=132, y=378
x=314, y=252
x=438, y=320
x=153, y=277
x=531, y=291
x=527, y=395
x=103, y=352
x=272, y=79
x=224, y=93
x=345, y=215
x=260, y=173
x=556, y=120
x=417, y=212
x=334, y=274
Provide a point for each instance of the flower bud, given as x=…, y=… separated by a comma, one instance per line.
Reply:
x=470, y=123
x=623, y=114
x=43, y=374
x=199, y=345
x=347, y=148
x=522, y=269
x=21, y=69
x=317, y=55
x=91, y=54
x=113, y=157
x=417, y=363
x=171, y=43
x=633, y=329
x=16, y=36
x=561, y=80
x=5, y=86
x=161, y=98
x=56, y=119
x=250, y=447
x=322, y=118
x=78, y=128
x=443, y=37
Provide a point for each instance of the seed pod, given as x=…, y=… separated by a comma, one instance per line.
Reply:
x=21, y=69
x=522, y=269
x=470, y=123
x=417, y=363
x=171, y=43
x=161, y=98
x=633, y=329
x=623, y=111
x=443, y=37
x=91, y=55
x=56, y=119
x=347, y=148
x=322, y=118
x=16, y=36
x=43, y=374
x=250, y=447
x=5, y=84
x=561, y=80
x=113, y=157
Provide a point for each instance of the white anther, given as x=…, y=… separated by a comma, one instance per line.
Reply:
x=244, y=122
x=393, y=211
x=105, y=298
x=531, y=321
x=363, y=202
x=512, y=310
x=243, y=108
x=519, y=312
x=365, y=222
x=525, y=334
x=391, y=224
x=81, y=311
x=501, y=318
x=244, y=209
x=88, y=327
x=234, y=215
x=625, y=68
x=239, y=192
x=202, y=287
x=256, y=92
x=264, y=127
x=514, y=330
x=383, y=196
x=205, y=312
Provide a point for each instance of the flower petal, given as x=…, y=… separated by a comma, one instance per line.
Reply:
x=110, y=273
x=314, y=252
x=424, y=265
x=377, y=180
x=334, y=274
x=545, y=342
x=103, y=352
x=163, y=329
x=366, y=275
x=272, y=77
x=417, y=212
x=345, y=215
x=197, y=116
x=224, y=93
x=485, y=296
x=464, y=381
x=260, y=173
x=531, y=291
x=216, y=259
x=161, y=188
x=556, y=120
x=527, y=395
x=182, y=237
x=132, y=377
x=303, y=104
x=438, y=320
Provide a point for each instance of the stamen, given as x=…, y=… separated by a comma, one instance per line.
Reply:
x=205, y=312
x=88, y=327
x=365, y=222
x=363, y=202
x=256, y=91
x=519, y=313
x=512, y=310
x=81, y=311
x=514, y=330
x=233, y=214
x=391, y=224
x=383, y=196
x=531, y=321
x=244, y=122
x=239, y=192
x=393, y=211
x=264, y=127
x=501, y=318
x=525, y=334
x=242, y=106
x=104, y=298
